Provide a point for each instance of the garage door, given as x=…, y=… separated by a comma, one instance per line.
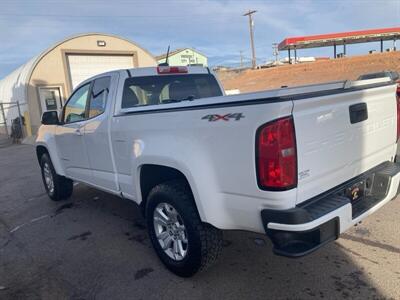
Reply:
x=82, y=67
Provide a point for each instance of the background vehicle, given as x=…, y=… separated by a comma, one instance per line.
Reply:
x=393, y=75
x=300, y=164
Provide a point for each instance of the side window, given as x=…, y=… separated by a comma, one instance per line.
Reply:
x=75, y=109
x=98, y=96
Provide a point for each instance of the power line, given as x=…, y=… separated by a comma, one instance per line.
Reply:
x=98, y=16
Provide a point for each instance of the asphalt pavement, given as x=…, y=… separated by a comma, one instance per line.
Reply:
x=95, y=246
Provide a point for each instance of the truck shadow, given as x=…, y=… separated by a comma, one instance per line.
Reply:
x=247, y=267
x=95, y=246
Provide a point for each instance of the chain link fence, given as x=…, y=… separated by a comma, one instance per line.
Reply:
x=11, y=121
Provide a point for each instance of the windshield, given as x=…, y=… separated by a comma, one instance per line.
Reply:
x=150, y=90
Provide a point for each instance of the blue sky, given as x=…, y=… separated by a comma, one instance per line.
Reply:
x=217, y=28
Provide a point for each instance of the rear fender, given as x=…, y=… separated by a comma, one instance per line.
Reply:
x=198, y=189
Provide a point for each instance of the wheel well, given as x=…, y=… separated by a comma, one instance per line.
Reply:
x=152, y=175
x=40, y=150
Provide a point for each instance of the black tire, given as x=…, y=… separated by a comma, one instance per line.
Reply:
x=204, y=240
x=63, y=187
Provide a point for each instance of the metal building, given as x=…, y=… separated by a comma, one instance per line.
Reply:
x=45, y=82
x=184, y=57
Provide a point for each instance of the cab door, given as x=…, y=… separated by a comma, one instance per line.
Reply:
x=70, y=136
x=97, y=137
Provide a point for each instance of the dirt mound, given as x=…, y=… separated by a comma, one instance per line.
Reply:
x=308, y=73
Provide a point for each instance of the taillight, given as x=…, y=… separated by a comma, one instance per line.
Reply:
x=276, y=156
x=171, y=70
x=398, y=91
x=398, y=114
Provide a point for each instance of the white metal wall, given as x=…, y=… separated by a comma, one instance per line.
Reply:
x=14, y=88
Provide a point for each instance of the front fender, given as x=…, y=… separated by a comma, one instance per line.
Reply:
x=46, y=138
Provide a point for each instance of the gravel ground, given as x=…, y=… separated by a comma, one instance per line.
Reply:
x=95, y=246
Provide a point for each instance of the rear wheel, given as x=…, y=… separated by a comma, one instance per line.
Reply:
x=57, y=187
x=183, y=243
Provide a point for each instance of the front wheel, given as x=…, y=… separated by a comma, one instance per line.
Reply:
x=57, y=187
x=183, y=243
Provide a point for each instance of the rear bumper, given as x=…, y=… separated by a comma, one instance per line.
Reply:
x=301, y=230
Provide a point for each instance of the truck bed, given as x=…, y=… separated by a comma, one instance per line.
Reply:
x=221, y=150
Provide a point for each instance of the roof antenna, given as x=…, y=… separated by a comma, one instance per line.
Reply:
x=166, y=59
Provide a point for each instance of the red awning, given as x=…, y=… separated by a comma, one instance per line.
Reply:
x=351, y=37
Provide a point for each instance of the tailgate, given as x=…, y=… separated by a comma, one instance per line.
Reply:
x=342, y=135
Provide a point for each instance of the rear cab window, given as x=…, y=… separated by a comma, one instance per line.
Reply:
x=153, y=90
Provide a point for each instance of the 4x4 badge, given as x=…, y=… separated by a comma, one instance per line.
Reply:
x=227, y=117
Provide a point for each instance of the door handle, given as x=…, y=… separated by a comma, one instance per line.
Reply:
x=358, y=112
x=78, y=131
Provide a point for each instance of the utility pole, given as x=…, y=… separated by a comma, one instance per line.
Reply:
x=275, y=52
x=251, y=25
x=241, y=58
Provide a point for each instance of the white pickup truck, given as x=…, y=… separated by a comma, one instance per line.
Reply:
x=300, y=164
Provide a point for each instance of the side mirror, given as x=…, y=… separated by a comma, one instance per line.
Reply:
x=50, y=118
